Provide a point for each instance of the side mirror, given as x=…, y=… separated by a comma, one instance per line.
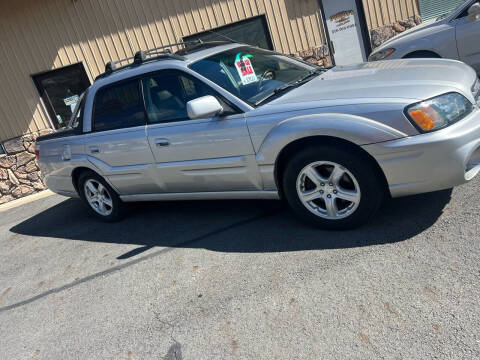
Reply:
x=474, y=12
x=204, y=107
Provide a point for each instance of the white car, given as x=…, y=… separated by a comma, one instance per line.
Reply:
x=451, y=36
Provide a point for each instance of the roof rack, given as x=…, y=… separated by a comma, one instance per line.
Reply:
x=158, y=53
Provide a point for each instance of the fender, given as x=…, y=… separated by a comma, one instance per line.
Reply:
x=355, y=129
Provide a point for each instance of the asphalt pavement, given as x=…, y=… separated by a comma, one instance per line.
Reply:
x=241, y=280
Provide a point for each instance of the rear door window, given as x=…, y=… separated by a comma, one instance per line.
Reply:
x=119, y=106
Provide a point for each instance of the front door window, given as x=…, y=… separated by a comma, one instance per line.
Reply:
x=60, y=90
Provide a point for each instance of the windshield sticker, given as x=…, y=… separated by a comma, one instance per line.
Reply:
x=245, y=69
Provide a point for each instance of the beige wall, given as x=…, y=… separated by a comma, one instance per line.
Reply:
x=383, y=12
x=41, y=35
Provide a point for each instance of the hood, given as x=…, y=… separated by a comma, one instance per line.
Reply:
x=419, y=28
x=414, y=79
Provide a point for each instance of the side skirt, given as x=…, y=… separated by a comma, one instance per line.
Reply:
x=224, y=195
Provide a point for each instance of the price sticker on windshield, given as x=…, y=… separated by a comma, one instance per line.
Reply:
x=245, y=69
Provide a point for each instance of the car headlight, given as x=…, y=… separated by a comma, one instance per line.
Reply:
x=382, y=54
x=439, y=112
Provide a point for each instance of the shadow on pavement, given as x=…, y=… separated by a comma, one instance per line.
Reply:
x=232, y=226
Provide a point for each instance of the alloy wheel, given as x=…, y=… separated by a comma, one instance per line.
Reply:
x=328, y=190
x=98, y=197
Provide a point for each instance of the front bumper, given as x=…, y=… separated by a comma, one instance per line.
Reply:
x=431, y=162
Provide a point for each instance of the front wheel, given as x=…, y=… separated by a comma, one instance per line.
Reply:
x=100, y=198
x=332, y=187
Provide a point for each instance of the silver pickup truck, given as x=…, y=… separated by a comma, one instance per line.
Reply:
x=230, y=121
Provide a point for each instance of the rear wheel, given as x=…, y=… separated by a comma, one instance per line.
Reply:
x=332, y=187
x=101, y=200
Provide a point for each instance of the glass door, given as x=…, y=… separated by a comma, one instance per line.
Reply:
x=60, y=90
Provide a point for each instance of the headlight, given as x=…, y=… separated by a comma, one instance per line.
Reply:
x=439, y=112
x=382, y=54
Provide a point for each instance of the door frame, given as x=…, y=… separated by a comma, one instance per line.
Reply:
x=363, y=28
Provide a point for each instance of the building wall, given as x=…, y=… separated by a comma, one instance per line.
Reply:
x=42, y=35
x=386, y=12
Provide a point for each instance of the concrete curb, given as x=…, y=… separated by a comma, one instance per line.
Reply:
x=25, y=200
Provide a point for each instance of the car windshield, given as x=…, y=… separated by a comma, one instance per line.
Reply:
x=254, y=75
x=444, y=16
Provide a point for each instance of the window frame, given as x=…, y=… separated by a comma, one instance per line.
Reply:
x=116, y=83
x=235, y=108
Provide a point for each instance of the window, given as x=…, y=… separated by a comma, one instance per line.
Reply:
x=2, y=150
x=253, y=31
x=168, y=92
x=118, y=106
x=60, y=90
x=76, y=121
x=254, y=74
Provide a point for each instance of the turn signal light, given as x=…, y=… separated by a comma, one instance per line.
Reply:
x=438, y=112
x=37, y=153
x=422, y=119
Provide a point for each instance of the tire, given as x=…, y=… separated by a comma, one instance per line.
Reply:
x=105, y=204
x=354, y=193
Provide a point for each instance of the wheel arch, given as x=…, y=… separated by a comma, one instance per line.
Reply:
x=295, y=146
x=77, y=172
x=421, y=54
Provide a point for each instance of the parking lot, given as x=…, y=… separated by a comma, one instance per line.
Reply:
x=241, y=280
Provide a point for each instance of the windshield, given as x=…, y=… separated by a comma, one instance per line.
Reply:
x=444, y=16
x=254, y=75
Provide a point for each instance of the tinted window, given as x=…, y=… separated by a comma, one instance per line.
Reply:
x=252, y=31
x=118, y=106
x=168, y=92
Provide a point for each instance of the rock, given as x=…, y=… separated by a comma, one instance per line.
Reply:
x=5, y=187
x=3, y=174
x=7, y=161
x=12, y=177
x=14, y=146
x=38, y=186
x=20, y=170
x=417, y=19
x=381, y=34
x=398, y=28
x=5, y=199
x=28, y=137
x=306, y=53
x=21, y=191
x=33, y=176
x=31, y=167
x=24, y=158
x=321, y=52
x=31, y=148
x=24, y=180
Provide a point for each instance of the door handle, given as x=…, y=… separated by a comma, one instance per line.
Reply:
x=162, y=142
x=94, y=149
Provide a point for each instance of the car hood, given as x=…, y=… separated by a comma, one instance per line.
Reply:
x=415, y=79
x=407, y=33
